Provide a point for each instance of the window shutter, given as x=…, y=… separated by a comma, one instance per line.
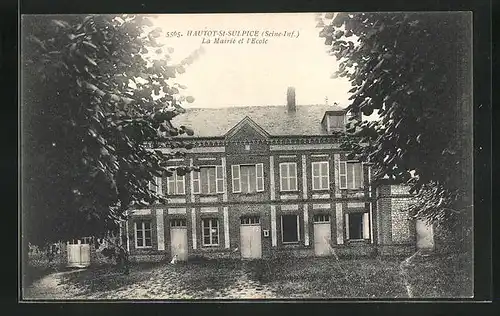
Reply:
x=219, y=175
x=346, y=226
x=235, y=170
x=362, y=174
x=260, y=176
x=343, y=174
x=196, y=181
x=366, y=226
x=158, y=186
x=152, y=186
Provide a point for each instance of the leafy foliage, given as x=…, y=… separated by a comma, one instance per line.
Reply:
x=95, y=104
x=412, y=70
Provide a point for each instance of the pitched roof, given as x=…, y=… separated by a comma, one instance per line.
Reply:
x=276, y=120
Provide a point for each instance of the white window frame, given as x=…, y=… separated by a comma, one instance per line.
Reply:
x=174, y=179
x=219, y=181
x=259, y=177
x=156, y=187
x=320, y=176
x=321, y=218
x=298, y=229
x=344, y=174
x=211, y=244
x=288, y=178
x=143, y=229
x=365, y=225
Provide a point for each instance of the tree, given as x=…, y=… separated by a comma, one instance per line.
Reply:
x=97, y=101
x=413, y=70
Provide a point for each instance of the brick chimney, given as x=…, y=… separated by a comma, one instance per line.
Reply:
x=290, y=99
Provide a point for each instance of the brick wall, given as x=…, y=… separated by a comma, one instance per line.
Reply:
x=394, y=225
x=400, y=221
x=248, y=146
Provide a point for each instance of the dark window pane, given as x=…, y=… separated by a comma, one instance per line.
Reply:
x=290, y=233
x=180, y=187
x=336, y=121
x=315, y=169
x=343, y=181
x=293, y=170
x=316, y=183
x=283, y=171
x=324, y=182
x=356, y=226
x=324, y=169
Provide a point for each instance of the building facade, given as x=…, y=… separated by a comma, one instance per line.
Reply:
x=272, y=182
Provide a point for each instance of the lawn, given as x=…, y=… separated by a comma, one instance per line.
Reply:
x=440, y=275
x=425, y=276
x=288, y=278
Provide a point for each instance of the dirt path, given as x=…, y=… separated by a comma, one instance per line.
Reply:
x=50, y=287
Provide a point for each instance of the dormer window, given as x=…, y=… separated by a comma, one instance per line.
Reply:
x=334, y=121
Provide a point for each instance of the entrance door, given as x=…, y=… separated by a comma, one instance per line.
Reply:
x=425, y=235
x=250, y=238
x=322, y=235
x=179, y=239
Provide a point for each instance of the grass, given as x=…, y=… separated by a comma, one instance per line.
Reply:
x=328, y=278
x=433, y=276
x=441, y=275
x=301, y=277
x=38, y=266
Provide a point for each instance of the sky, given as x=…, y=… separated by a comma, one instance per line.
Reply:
x=254, y=74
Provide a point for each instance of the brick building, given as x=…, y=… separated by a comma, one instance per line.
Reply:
x=272, y=182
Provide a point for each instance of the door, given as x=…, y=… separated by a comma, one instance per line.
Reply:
x=250, y=238
x=78, y=254
x=179, y=239
x=425, y=235
x=73, y=251
x=322, y=235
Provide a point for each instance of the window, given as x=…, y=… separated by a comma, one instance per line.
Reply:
x=351, y=175
x=288, y=176
x=248, y=178
x=290, y=228
x=176, y=184
x=250, y=220
x=320, y=176
x=321, y=218
x=209, y=180
x=143, y=234
x=357, y=226
x=178, y=222
x=336, y=122
x=155, y=186
x=210, y=232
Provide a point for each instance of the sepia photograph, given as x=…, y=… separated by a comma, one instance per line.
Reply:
x=246, y=156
